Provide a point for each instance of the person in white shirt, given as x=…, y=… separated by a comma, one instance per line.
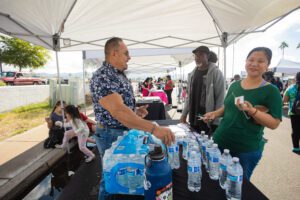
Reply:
x=79, y=129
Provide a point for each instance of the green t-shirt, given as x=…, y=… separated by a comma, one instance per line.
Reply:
x=291, y=92
x=236, y=132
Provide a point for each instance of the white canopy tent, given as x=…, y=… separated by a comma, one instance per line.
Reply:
x=86, y=24
x=67, y=25
x=287, y=67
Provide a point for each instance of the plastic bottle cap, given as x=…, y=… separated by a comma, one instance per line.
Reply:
x=205, y=136
x=226, y=151
x=202, y=132
x=215, y=145
x=235, y=159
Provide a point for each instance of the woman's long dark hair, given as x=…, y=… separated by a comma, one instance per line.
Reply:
x=58, y=103
x=73, y=112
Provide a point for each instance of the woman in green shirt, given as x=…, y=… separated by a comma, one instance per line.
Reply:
x=249, y=106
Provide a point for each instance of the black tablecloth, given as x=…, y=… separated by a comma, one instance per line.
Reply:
x=210, y=189
x=156, y=110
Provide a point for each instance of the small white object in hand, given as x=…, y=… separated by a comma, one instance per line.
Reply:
x=59, y=124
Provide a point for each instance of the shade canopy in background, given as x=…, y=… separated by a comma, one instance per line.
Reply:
x=287, y=67
x=148, y=62
x=67, y=25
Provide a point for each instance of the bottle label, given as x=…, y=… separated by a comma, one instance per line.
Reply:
x=214, y=159
x=203, y=148
x=170, y=149
x=177, y=149
x=194, y=169
x=164, y=193
x=223, y=167
x=122, y=171
x=207, y=156
x=131, y=172
x=235, y=178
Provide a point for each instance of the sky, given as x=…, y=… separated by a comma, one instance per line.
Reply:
x=288, y=30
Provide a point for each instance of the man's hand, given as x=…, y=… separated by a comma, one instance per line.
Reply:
x=208, y=117
x=165, y=134
x=183, y=119
x=142, y=111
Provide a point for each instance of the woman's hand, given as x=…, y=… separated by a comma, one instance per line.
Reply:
x=245, y=106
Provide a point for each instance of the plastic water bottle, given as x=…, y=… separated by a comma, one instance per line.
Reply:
x=214, y=162
x=234, y=180
x=121, y=175
x=108, y=162
x=140, y=172
x=173, y=156
x=200, y=137
x=193, y=146
x=132, y=176
x=194, y=172
x=203, y=147
x=185, y=145
x=209, y=146
x=225, y=162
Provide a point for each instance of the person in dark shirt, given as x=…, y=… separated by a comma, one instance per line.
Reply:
x=205, y=91
x=114, y=103
x=279, y=84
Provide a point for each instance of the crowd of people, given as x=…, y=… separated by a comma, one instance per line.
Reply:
x=165, y=84
x=235, y=118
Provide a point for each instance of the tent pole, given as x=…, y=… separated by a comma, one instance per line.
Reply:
x=60, y=95
x=224, y=45
x=224, y=50
x=56, y=47
x=83, y=79
x=233, y=59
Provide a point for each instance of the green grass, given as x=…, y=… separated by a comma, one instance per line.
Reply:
x=23, y=118
x=2, y=83
x=32, y=107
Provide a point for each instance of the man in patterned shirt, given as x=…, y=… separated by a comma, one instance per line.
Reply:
x=114, y=103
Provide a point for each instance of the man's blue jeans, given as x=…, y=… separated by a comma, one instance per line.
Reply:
x=104, y=138
x=249, y=161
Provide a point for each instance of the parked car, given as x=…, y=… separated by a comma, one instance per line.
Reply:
x=19, y=78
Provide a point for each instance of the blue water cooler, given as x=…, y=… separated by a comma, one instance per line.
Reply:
x=158, y=180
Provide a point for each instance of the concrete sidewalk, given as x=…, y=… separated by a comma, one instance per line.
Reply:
x=18, y=144
x=14, y=146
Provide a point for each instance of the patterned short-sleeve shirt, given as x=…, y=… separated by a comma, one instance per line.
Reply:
x=105, y=81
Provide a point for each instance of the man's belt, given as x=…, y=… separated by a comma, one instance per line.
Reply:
x=110, y=127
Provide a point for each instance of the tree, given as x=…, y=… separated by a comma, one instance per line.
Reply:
x=282, y=46
x=22, y=54
x=298, y=46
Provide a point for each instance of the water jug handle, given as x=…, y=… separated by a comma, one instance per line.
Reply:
x=147, y=161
